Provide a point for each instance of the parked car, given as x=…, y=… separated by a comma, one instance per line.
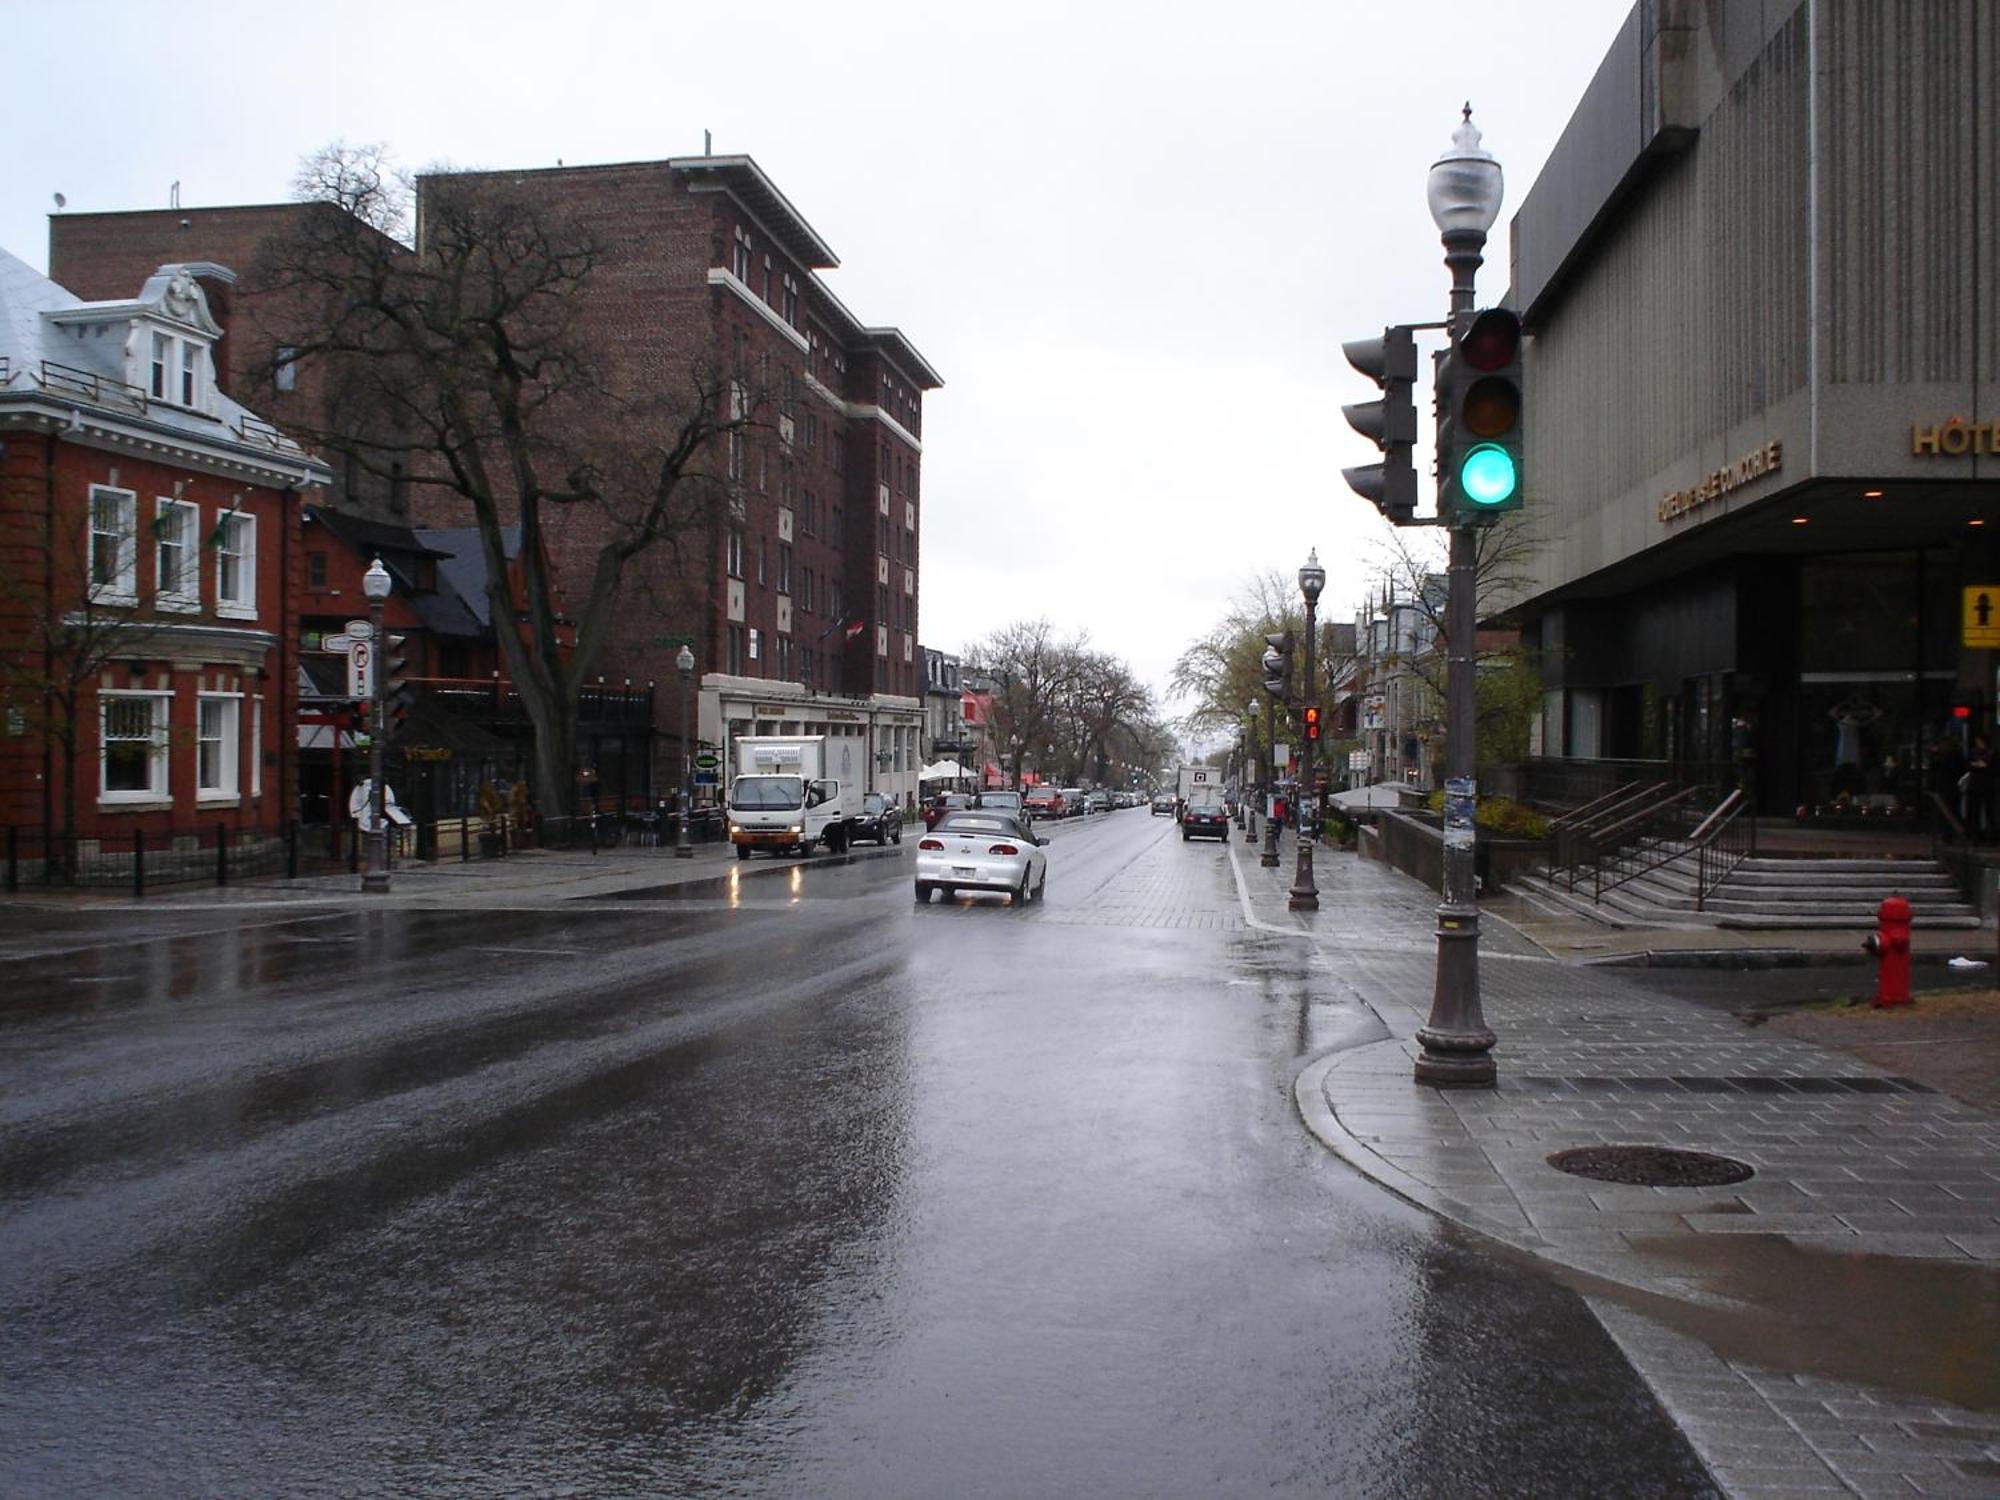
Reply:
x=978, y=850
x=1007, y=802
x=1097, y=801
x=943, y=803
x=880, y=821
x=1205, y=815
x=1075, y=804
x=1044, y=802
x=1163, y=803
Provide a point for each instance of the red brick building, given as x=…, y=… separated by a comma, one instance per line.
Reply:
x=803, y=610
x=148, y=570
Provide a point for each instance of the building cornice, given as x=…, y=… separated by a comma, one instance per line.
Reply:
x=726, y=279
x=862, y=411
x=93, y=427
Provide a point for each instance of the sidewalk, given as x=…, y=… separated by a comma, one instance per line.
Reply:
x=1829, y=1326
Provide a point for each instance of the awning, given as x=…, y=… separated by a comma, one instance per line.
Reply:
x=942, y=770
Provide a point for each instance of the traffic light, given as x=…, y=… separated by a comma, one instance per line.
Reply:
x=397, y=693
x=1480, y=469
x=1278, y=666
x=1390, y=424
x=1312, y=721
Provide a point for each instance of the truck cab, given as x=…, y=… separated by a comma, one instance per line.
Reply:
x=779, y=803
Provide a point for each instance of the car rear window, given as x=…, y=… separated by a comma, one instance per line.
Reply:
x=977, y=823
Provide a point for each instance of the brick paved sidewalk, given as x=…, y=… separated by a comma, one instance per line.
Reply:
x=1829, y=1326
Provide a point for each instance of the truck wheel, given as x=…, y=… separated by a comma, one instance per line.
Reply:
x=742, y=851
x=837, y=839
x=806, y=848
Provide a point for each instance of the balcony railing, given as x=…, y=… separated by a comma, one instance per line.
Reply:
x=101, y=390
x=492, y=702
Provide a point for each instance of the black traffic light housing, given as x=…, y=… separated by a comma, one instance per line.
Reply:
x=1481, y=471
x=1390, y=424
x=1278, y=666
x=397, y=693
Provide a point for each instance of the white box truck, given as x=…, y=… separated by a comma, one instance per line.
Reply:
x=1190, y=778
x=788, y=798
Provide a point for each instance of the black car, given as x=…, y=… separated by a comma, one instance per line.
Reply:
x=881, y=821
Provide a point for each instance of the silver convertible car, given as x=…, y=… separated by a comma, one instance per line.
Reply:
x=977, y=850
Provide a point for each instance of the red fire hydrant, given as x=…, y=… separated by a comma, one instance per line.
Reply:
x=1890, y=943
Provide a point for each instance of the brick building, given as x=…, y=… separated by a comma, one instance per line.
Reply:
x=148, y=573
x=802, y=606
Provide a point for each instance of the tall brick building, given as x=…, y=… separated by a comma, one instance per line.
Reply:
x=804, y=617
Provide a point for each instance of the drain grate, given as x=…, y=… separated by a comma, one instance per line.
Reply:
x=1650, y=1166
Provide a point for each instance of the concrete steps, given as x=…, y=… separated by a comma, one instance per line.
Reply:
x=1841, y=893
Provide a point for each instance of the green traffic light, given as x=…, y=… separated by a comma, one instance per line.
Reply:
x=1487, y=476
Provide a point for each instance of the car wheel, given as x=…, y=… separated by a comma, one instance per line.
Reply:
x=1022, y=895
x=1184, y=835
x=949, y=892
x=1042, y=885
x=923, y=893
x=896, y=833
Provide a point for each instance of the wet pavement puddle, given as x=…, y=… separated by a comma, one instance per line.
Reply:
x=1923, y=1327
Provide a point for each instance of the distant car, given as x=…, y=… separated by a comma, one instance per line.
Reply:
x=978, y=850
x=943, y=803
x=1097, y=801
x=1163, y=803
x=1008, y=802
x=880, y=822
x=1075, y=804
x=1044, y=802
x=1205, y=816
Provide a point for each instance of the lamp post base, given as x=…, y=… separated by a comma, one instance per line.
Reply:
x=1456, y=1040
x=1270, y=858
x=374, y=882
x=683, y=850
x=1304, y=893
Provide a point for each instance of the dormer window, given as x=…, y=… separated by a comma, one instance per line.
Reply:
x=163, y=354
x=174, y=374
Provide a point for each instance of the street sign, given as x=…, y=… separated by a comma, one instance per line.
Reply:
x=1981, y=621
x=1281, y=756
x=707, y=762
x=705, y=778
x=360, y=630
x=361, y=668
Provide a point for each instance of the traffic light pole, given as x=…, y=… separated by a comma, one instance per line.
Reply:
x=1457, y=1043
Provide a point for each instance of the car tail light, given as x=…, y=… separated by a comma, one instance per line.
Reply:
x=929, y=844
x=1003, y=849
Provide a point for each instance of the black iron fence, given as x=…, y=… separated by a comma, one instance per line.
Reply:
x=140, y=861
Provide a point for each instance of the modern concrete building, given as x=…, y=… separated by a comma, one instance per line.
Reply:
x=1764, y=420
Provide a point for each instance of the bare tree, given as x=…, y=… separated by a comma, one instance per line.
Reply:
x=1073, y=711
x=459, y=366
x=1221, y=672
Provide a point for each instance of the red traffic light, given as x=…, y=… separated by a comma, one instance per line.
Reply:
x=1312, y=722
x=1493, y=342
x=1961, y=710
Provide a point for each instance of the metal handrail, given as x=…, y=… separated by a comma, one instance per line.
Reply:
x=1721, y=850
x=1591, y=808
x=90, y=384
x=1578, y=843
x=1634, y=837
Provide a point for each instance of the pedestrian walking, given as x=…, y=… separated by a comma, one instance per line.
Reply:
x=1978, y=784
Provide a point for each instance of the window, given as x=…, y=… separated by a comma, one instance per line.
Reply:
x=806, y=590
x=756, y=644
x=236, y=564
x=216, y=742
x=784, y=567
x=735, y=650
x=190, y=370
x=812, y=431
x=177, y=579
x=163, y=353
x=285, y=368
x=736, y=456
x=742, y=262
x=763, y=552
x=791, y=304
x=315, y=570
x=836, y=600
x=784, y=658
x=133, y=735
x=840, y=453
x=114, y=526
x=735, y=554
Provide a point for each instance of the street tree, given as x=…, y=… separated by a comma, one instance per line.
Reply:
x=456, y=366
x=1074, y=711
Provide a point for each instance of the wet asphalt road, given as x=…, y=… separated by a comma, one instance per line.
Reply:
x=775, y=1185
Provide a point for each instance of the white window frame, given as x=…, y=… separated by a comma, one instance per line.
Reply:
x=123, y=586
x=157, y=788
x=190, y=387
x=236, y=540
x=162, y=366
x=285, y=368
x=187, y=514
x=227, y=740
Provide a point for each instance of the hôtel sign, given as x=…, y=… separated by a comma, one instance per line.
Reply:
x=1954, y=439
x=1753, y=466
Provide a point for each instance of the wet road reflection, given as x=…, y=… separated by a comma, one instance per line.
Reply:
x=821, y=1195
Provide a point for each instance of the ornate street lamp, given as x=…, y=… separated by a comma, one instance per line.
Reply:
x=1305, y=895
x=684, y=845
x=375, y=879
x=1464, y=191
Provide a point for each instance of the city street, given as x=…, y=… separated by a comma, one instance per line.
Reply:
x=767, y=1182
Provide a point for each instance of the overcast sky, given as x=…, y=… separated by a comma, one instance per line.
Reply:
x=1130, y=237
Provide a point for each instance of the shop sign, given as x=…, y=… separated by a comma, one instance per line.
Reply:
x=1955, y=438
x=1754, y=465
x=1980, y=624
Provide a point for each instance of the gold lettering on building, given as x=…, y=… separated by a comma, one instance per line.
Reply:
x=1753, y=466
x=1954, y=438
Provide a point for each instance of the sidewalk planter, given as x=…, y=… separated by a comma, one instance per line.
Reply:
x=1414, y=843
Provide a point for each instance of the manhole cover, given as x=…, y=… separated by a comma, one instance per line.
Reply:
x=1649, y=1166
